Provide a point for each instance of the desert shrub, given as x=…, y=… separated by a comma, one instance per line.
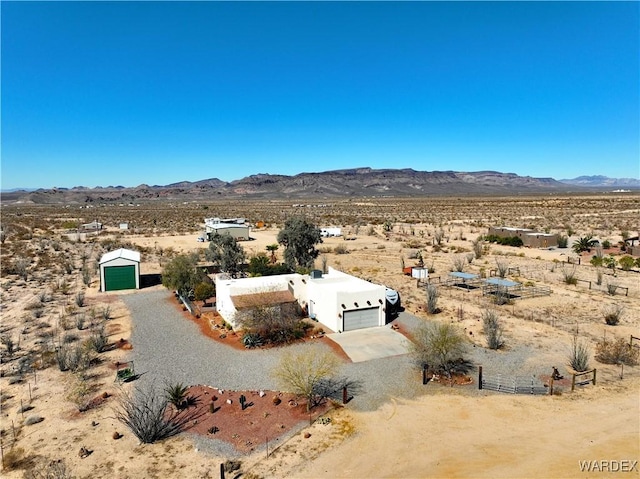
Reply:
x=203, y=291
x=502, y=267
x=598, y=276
x=441, y=346
x=12, y=459
x=274, y=324
x=80, y=299
x=432, y=299
x=569, y=275
x=48, y=469
x=72, y=358
x=618, y=351
x=341, y=249
x=80, y=321
x=504, y=241
x=252, y=340
x=579, y=355
x=33, y=420
x=492, y=329
x=563, y=241
x=145, y=412
x=105, y=313
x=606, y=244
x=98, y=340
x=9, y=344
x=86, y=276
x=176, y=394
x=231, y=465
x=477, y=247
x=612, y=288
x=70, y=338
x=458, y=263
x=612, y=314
x=626, y=262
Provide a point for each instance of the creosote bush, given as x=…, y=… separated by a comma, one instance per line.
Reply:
x=612, y=314
x=617, y=351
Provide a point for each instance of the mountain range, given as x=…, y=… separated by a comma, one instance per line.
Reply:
x=603, y=181
x=355, y=182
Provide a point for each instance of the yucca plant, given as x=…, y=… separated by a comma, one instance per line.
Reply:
x=176, y=394
x=579, y=355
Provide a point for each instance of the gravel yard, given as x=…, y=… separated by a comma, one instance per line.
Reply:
x=168, y=348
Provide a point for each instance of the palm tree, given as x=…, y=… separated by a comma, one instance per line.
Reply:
x=584, y=243
x=272, y=248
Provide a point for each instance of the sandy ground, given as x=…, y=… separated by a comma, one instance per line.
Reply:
x=446, y=433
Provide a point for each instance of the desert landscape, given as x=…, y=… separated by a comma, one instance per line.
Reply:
x=57, y=421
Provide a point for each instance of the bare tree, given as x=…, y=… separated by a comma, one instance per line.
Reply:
x=441, y=346
x=306, y=373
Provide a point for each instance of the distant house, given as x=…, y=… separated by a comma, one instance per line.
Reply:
x=338, y=301
x=632, y=248
x=237, y=230
x=120, y=269
x=93, y=226
x=529, y=237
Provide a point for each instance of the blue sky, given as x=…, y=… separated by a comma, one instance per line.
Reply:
x=124, y=93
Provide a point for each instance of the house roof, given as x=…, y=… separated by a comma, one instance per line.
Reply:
x=267, y=298
x=342, y=282
x=217, y=226
x=121, y=253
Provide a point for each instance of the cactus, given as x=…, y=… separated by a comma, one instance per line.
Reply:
x=243, y=401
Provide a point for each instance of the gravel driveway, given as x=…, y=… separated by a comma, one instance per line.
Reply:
x=167, y=348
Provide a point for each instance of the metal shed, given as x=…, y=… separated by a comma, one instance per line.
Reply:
x=120, y=269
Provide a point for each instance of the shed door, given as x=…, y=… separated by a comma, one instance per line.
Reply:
x=119, y=277
x=361, y=318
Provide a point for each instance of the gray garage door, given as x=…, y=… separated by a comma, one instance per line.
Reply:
x=361, y=318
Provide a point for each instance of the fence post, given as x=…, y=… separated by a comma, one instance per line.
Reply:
x=221, y=471
x=479, y=377
x=573, y=383
x=551, y=386
x=424, y=374
x=594, y=377
x=344, y=395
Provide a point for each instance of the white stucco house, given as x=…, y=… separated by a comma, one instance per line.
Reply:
x=338, y=301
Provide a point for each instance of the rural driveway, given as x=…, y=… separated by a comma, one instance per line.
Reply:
x=169, y=348
x=371, y=343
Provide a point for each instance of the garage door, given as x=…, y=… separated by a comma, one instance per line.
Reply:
x=361, y=318
x=119, y=277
